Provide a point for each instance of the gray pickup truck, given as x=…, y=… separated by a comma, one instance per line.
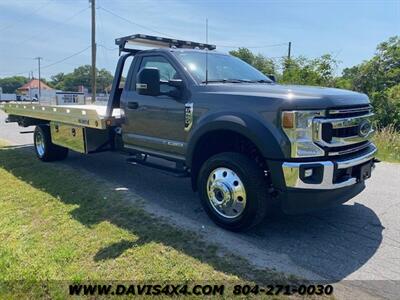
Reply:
x=251, y=146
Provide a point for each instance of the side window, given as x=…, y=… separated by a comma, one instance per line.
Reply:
x=167, y=71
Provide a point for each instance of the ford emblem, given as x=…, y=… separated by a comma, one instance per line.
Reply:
x=364, y=128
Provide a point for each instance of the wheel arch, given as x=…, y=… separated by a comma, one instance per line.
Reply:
x=208, y=137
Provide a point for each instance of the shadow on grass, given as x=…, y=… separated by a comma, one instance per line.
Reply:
x=332, y=243
x=116, y=249
x=95, y=206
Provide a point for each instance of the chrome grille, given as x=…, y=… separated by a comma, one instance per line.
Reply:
x=349, y=112
x=344, y=130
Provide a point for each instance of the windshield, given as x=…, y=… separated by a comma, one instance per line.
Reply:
x=221, y=67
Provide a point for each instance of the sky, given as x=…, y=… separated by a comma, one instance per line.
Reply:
x=59, y=30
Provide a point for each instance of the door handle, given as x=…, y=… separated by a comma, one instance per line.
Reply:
x=133, y=105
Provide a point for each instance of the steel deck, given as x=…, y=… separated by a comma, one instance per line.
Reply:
x=93, y=116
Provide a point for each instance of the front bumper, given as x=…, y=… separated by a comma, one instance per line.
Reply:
x=326, y=175
x=299, y=201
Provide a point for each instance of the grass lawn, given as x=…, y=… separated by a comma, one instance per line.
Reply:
x=388, y=142
x=60, y=225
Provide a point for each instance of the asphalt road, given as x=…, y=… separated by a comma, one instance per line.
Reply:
x=358, y=242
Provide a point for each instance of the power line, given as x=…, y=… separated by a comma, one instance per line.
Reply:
x=165, y=34
x=49, y=65
x=107, y=48
x=66, y=58
x=23, y=18
x=19, y=73
x=253, y=47
x=52, y=28
x=101, y=38
x=136, y=24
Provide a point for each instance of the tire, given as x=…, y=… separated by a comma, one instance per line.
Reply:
x=44, y=148
x=238, y=201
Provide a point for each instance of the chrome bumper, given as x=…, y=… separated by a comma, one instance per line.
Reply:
x=291, y=171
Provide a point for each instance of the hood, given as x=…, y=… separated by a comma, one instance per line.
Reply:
x=289, y=96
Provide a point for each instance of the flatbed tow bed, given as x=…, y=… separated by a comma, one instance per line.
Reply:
x=82, y=128
x=91, y=115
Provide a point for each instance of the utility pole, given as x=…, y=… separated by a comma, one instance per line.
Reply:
x=287, y=63
x=93, y=4
x=40, y=87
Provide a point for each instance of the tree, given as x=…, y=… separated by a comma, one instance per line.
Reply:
x=11, y=84
x=387, y=106
x=380, y=72
x=244, y=54
x=57, y=81
x=379, y=77
x=104, y=80
x=301, y=70
x=259, y=61
x=82, y=76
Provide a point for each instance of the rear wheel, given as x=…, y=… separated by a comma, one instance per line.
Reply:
x=44, y=148
x=233, y=191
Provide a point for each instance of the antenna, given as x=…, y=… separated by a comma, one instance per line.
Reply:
x=206, y=51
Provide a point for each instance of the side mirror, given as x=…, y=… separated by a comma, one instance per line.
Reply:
x=148, y=82
x=272, y=77
x=177, y=83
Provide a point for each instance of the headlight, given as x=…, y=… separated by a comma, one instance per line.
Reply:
x=298, y=126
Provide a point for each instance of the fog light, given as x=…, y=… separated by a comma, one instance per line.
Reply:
x=311, y=173
x=308, y=172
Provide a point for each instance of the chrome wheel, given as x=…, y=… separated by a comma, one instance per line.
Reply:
x=226, y=193
x=39, y=144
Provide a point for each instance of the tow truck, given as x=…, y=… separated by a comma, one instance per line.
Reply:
x=250, y=145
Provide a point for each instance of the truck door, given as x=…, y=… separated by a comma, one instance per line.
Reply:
x=154, y=123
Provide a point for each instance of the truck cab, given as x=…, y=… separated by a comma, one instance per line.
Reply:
x=250, y=145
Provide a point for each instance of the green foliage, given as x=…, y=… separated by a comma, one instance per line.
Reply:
x=388, y=142
x=57, y=81
x=259, y=61
x=10, y=84
x=319, y=71
x=379, y=77
x=66, y=82
x=380, y=72
x=299, y=70
x=82, y=76
x=104, y=79
x=387, y=106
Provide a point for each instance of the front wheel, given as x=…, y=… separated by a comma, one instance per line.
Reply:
x=44, y=148
x=233, y=191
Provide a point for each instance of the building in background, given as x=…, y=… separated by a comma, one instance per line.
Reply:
x=6, y=97
x=48, y=95
x=30, y=90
